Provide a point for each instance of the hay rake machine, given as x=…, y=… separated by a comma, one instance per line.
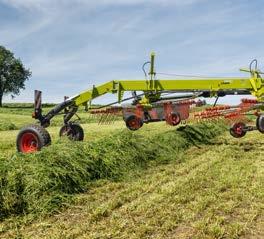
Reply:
x=153, y=99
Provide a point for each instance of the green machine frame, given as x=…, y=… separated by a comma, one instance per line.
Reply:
x=34, y=137
x=153, y=88
x=253, y=85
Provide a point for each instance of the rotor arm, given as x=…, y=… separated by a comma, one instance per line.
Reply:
x=152, y=89
x=187, y=85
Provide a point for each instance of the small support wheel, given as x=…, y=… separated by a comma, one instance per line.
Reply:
x=133, y=122
x=32, y=138
x=260, y=123
x=238, y=130
x=174, y=119
x=72, y=131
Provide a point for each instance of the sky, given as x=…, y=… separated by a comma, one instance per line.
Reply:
x=71, y=45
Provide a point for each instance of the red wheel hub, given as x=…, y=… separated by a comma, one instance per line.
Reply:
x=29, y=143
x=238, y=129
x=175, y=119
x=134, y=123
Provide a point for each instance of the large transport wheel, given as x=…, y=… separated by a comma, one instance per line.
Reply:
x=32, y=138
x=133, y=122
x=174, y=118
x=238, y=130
x=260, y=123
x=72, y=131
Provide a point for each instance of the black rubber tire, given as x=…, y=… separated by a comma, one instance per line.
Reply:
x=174, y=115
x=72, y=131
x=133, y=118
x=260, y=123
x=41, y=135
x=238, y=133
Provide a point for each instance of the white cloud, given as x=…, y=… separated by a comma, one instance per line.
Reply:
x=49, y=4
x=77, y=43
x=13, y=34
x=27, y=4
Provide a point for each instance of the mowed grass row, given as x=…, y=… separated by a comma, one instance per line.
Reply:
x=40, y=183
x=210, y=191
x=207, y=192
x=15, y=116
x=93, y=131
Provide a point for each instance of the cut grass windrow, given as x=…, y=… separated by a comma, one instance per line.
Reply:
x=41, y=183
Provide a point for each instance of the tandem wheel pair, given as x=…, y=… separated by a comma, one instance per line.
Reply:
x=239, y=129
x=33, y=137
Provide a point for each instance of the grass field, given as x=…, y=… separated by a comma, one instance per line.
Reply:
x=15, y=117
x=211, y=189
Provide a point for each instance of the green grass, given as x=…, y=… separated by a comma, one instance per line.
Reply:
x=13, y=121
x=213, y=191
x=41, y=182
x=15, y=116
x=153, y=183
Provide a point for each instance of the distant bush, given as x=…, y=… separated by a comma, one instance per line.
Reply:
x=31, y=105
x=25, y=105
x=40, y=183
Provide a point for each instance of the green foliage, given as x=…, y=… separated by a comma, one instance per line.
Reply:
x=12, y=74
x=41, y=183
x=25, y=105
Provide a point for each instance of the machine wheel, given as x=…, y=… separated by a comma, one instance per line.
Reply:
x=133, y=122
x=237, y=130
x=32, y=138
x=72, y=131
x=260, y=123
x=174, y=118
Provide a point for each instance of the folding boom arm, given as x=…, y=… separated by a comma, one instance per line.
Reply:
x=153, y=87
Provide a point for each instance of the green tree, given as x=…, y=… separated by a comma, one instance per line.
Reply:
x=12, y=74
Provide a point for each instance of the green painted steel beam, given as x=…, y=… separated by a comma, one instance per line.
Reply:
x=212, y=85
x=254, y=84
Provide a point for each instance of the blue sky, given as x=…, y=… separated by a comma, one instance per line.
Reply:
x=71, y=45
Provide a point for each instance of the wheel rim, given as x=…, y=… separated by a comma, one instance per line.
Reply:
x=238, y=129
x=134, y=124
x=174, y=119
x=69, y=132
x=66, y=131
x=29, y=143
